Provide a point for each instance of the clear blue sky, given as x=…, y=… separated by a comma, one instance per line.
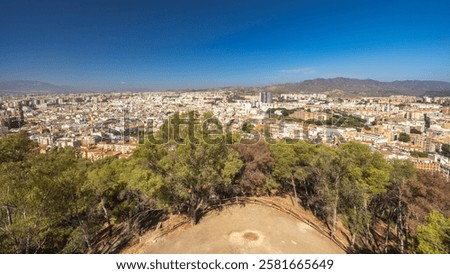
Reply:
x=190, y=44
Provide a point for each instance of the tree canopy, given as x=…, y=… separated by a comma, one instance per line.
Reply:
x=434, y=235
x=59, y=203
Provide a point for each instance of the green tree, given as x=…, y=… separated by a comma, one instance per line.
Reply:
x=37, y=197
x=195, y=171
x=247, y=127
x=329, y=171
x=403, y=171
x=285, y=165
x=370, y=170
x=434, y=236
x=403, y=137
x=345, y=181
x=292, y=165
x=15, y=147
x=392, y=205
x=144, y=174
x=368, y=176
x=445, y=148
x=419, y=154
x=104, y=181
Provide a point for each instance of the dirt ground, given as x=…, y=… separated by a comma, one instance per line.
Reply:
x=240, y=229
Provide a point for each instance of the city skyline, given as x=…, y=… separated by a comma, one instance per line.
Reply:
x=172, y=45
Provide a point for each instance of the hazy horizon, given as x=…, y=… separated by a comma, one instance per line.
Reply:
x=152, y=89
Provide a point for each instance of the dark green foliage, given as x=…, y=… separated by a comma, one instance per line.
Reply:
x=445, y=148
x=14, y=148
x=419, y=154
x=403, y=137
x=415, y=131
x=392, y=207
x=247, y=127
x=38, y=200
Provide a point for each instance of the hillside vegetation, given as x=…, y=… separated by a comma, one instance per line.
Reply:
x=59, y=203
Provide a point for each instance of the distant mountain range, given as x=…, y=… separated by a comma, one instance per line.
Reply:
x=341, y=87
x=26, y=86
x=355, y=87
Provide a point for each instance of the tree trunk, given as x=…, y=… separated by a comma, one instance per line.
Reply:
x=307, y=195
x=335, y=205
x=365, y=209
x=193, y=206
x=352, y=243
x=195, y=211
x=334, y=214
x=402, y=244
x=295, y=189
x=386, y=241
x=194, y=216
x=399, y=219
x=106, y=215
x=8, y=214
x=86, y=235
x=27, y=245
x=196, y=205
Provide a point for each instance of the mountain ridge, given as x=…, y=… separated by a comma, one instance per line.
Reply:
x=366, y=87
x=339, y=86
x=29, y=86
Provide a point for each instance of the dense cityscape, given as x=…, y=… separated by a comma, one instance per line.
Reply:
x=103, y=125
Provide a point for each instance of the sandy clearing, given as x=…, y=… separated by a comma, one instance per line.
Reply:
x=243, y=229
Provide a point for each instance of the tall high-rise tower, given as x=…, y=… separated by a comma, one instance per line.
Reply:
x=265, y=97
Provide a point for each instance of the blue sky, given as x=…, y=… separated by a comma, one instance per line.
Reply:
x=207, y=43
